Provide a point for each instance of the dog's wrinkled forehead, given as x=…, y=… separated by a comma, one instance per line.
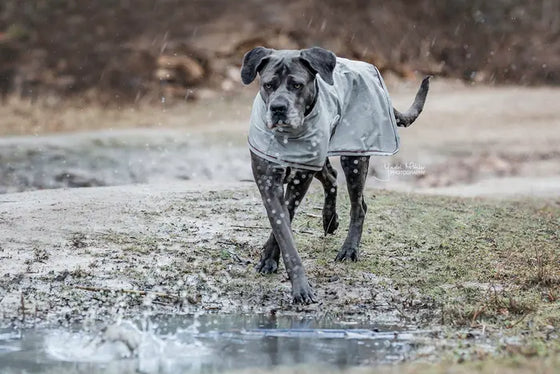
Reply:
x=280, y=54
x=284, y=63
x=316, y=60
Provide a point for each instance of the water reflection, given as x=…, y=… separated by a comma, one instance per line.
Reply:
x=204, y=344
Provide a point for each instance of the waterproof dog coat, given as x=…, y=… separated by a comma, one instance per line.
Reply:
x=352, y=117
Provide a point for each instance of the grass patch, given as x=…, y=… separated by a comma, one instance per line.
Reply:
x=516, y=365
x=489, y=262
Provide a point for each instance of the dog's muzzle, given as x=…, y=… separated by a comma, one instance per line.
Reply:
x=283, y=121
x=278, y=113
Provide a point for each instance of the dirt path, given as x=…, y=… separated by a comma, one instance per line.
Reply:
x=469, y=138
x=469, y=141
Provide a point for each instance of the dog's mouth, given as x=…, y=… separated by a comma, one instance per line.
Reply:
x=278, y=125
x=283, y=122
x=283, y=126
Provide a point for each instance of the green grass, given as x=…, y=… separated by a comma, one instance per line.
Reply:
x=490, y=263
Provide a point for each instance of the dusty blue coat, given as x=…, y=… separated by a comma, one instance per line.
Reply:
x=352, y=117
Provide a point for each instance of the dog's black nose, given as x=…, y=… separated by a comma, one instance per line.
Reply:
x=278, y=108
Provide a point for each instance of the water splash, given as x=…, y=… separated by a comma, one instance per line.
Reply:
x=204, y=344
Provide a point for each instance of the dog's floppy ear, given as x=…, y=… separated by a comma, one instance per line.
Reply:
x=253, y=62
x=320, y=61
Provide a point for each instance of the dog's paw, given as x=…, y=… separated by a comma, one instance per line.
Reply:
x=330, y=222
x=303, y=293
x=347, y=253
x=267, y=266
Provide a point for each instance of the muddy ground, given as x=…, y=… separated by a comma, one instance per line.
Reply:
x=171, y=223
x=481, y=275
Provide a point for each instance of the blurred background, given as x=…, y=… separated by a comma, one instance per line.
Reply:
x=116, y=92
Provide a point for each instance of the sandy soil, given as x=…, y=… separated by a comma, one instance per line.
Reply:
x=470, y=140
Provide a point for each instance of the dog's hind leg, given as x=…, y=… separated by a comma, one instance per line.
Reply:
x=356, y=170
x=270, y=256
x=295, y=191
x=327, y=177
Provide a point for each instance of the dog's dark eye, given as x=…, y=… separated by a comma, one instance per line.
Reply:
x=297, y=86
x=268, y=86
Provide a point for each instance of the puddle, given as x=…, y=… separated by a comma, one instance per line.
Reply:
x=118, y=158
x=205, y=344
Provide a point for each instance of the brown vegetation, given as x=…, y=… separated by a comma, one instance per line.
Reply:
x=113, y=51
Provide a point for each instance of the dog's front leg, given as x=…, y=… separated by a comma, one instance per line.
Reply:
x=297, y=187
x=269, y=178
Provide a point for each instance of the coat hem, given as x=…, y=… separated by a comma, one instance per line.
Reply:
x=361, y=153
x=281, y=161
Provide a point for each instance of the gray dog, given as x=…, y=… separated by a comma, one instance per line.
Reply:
x=312, y=105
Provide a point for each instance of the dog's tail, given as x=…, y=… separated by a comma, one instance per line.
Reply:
x=406, y=119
